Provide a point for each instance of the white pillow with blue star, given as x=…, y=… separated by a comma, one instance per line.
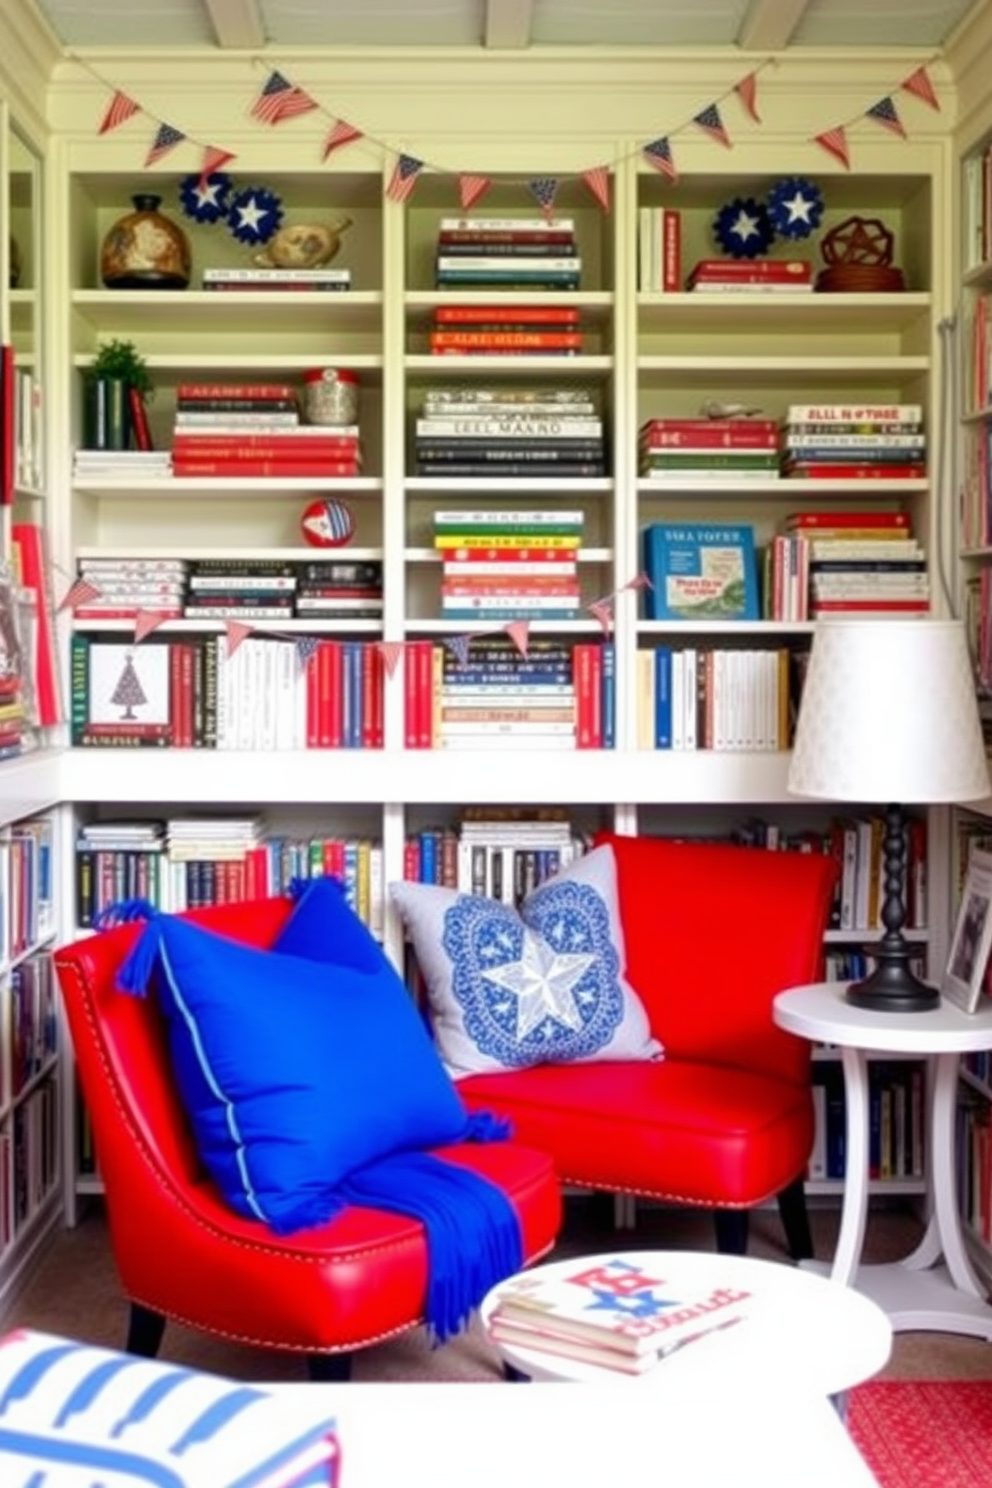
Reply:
x=543, y=985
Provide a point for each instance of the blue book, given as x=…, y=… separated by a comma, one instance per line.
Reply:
x=663, y=697
x=700, y=571
x=609, y=696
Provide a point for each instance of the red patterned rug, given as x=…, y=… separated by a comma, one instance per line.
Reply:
x=924, y=1433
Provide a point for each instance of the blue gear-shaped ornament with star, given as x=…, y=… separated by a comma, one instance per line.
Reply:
x=254, y=215
x=743, y=228
x=206, y=198
x=795, y=207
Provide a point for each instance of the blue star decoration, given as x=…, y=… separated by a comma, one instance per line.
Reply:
x=643, y=1304
x=206, y=198
x=795, y=207
x=254, y=214
x=743, y=228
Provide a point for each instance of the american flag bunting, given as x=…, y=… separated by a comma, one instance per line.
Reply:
x=747, y=92
x=145, y=621
x=471, y=188
x=602, y=610
x=390, y=651
x=166, y=139
x=458, y=646
x=404, y=177
x=519, y=631
x=598, y=181
x=214, y=159
x=120, y=108
x=81, y=592
x=710, y=123
x=544, y=189
x=659, y=154
x=834, y=141
x=340, y=134
x=280, y=99
x=884, y=112
x=919, y=84
x=305, y=648
x=235, y=632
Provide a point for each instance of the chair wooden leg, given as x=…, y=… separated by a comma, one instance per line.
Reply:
x=144, y=1331
x=329, y=1369
x=731, y=1231
x=795, y=1221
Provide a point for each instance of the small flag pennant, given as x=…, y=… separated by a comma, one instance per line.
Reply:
x=119, y=108
x=602, y=610
x=747, y=92
x=598, y=181
x=659, y=154
x=214, y=159
x=710, y=123
x=390, y=651
x=544, y=189
x=280, y=99
x=884, y=112
x=834, y=141
x=166, y=139
x=404, y=177
x=305, y=648
x=458, y=646
x=470, y=189
x=236, y=632
x=919, y=84
x=81, y=592
x=145, y=621
x=341, y=133
x=518, y=631
x=639, y=581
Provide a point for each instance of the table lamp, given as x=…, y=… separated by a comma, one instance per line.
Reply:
x=888, y=713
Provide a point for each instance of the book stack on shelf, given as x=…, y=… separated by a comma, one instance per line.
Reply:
x=709, y=697
x=751, y=275
x=28, y=473
x=896, y=1115
x=839, y=441
x=240, y=589
x=856, y=843
x=254, y=429
x=506, y=330
x=259, y=278
x=117, y=860
x=499, y=431
x=117, y=588
x=672, y=449
x=501, y=852
x=509, y=565
x=123, y=464
x=339, y=589
x=659, y=249
x=33, y=1019
x=507, y=253
x=862, y=562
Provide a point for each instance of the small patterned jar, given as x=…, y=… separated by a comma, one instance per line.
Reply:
x=330, y=396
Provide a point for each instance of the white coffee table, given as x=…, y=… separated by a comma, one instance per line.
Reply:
x=801, y=1331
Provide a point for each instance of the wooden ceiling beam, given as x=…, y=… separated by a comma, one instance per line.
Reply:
x=508, y=24
x=770, y=24
x=236, y=23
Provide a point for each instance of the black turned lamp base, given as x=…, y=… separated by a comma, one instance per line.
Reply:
x=893, y=987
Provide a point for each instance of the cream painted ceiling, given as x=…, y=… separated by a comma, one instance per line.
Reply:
x=765, y=25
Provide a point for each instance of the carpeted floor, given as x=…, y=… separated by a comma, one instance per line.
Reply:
x=75, y=1293
x=924, y=1433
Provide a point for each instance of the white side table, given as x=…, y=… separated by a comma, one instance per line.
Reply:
x=936, y=1287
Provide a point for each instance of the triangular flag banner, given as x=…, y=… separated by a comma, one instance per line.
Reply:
x=747, y=92
x=518, y=631
x=659, y=154
x=834, y=141
x=305, y=648
x=145, y=621
x=598, y=181
x=280, y=99
x=81, y=592
x=471, y=188
x=390, y=651
x=603, y=611
x=120, y=108
x=458, y=646
x=710, y=122
x=214, y=159
x=236, y=632
x=404, y=177
x=639, y=581
x=341, y=133
x=166, y=139
x=884, y=111
x=919, y=84
x=544, y=190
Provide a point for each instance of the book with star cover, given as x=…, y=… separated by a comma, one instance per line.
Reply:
x=615, y=1306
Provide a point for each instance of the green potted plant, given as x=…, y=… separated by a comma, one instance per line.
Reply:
x=118, y=384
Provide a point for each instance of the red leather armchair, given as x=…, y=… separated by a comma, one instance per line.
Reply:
x=725, y=1121
x=181, y=1253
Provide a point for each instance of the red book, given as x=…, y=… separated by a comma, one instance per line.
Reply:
x=853, y=472
x=502, y=340
x=671, y=249
x=770, y=270
x=868, y=606
x=587, y=673
x=665, y=433
x=481, y=236
x=373, y=702
x=237, y=447
x=859, y=518
x=313, y=699
x=289, y=469
x=8, y=429
x=475, y=314
x=139, y=419
x=29, y=541
x=537, y=556
x=256, y=391
x=330, y=695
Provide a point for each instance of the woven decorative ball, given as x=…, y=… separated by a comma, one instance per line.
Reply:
x=858, y=254
x=328, y=524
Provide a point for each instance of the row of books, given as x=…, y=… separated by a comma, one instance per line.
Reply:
x=256, y=277
x=255, y=429
x=34, y=1022
x=507, y=253
x=707, y=697
x=509, y=565
x=494, y=431
x=896, y=1120
x=973, y=1159
x=27, y=888
x=228, y=588
x=29, y=1156
x=195, y=861
x=206, y=692
x=506, y=330
x=503, y=855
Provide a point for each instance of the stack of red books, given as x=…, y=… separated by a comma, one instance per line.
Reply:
x=775, y=275
x=253, y=429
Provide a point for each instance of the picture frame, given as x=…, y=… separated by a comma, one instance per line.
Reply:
x=967, y=962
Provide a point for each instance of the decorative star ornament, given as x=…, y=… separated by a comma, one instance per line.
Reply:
x=543, y=982
x=254, y=215
x=206, y=198
x=795, y=207
x=743, y=228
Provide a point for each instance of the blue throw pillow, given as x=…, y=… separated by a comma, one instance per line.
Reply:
x=294, y=1073
x=322, y=926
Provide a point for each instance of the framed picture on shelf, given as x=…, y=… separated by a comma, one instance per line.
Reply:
x=965, y=976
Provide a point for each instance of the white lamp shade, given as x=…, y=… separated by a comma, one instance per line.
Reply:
x=888, y=714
